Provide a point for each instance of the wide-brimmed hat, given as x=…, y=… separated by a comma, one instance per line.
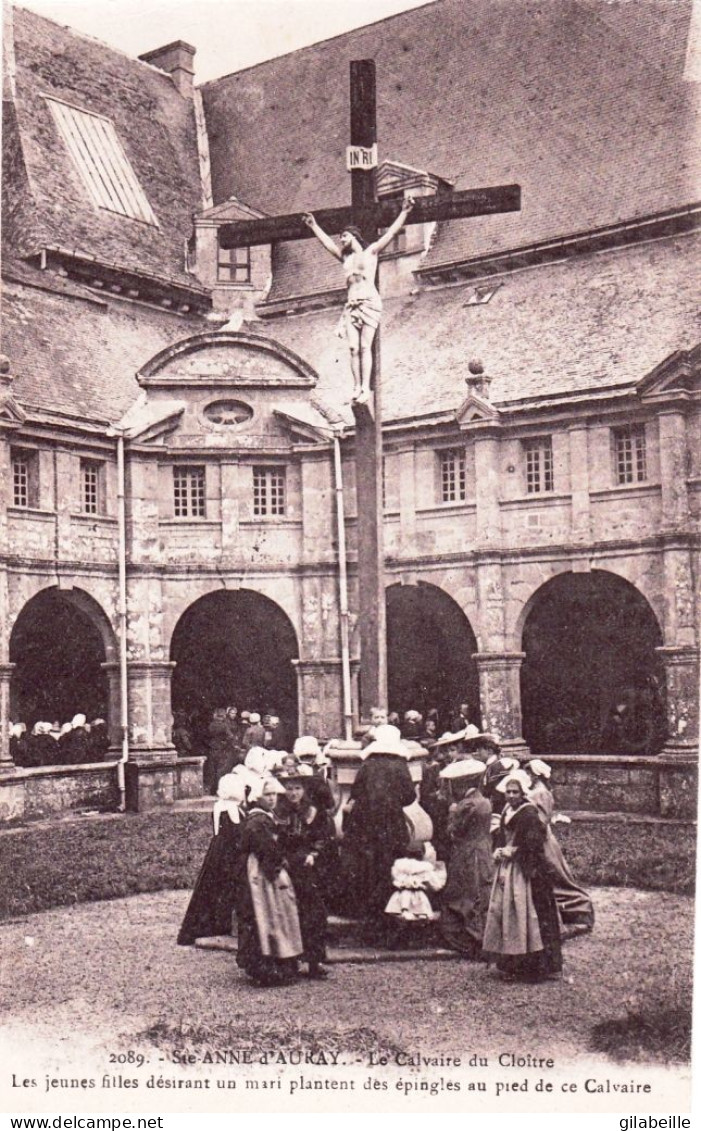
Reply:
x=481, y=738
x=300, y=773
x=387, y=740
x=465, y=768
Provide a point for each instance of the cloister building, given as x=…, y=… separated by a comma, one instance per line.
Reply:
x=171, y=413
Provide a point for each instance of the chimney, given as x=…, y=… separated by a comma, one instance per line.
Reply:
x=176, y=60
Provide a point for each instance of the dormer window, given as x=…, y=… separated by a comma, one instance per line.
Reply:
x=102, y=163
x=234, y=265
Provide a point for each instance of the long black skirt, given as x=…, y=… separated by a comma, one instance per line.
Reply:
x=216, y=890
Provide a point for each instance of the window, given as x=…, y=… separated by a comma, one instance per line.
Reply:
x=268, y=491
x=630, y=459
x=453, y=476
x=398, y=245
x=188, y=492
x=90, y=486
x=24, y=474
x=234, y=265
x=102, y=163
x=539, y=465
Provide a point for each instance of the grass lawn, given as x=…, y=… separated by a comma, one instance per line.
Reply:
x=52, y=864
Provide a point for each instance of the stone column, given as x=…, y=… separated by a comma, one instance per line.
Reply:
x=681, y=666
x=150, y=715
x=6, y=763
x=500, y=698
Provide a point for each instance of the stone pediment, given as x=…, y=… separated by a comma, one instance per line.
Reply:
x=393, y=178
x=677, y=378
x=229, y=210
x=476, y=410
x=227, y=360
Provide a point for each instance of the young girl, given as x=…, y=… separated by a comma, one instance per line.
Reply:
x=269, y=940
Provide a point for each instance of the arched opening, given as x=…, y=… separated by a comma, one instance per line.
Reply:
x=430, y=645
x=234, y=649
x=59, y=643
x=591, y=682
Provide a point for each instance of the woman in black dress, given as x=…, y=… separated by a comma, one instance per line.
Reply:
x=376, y=832
x=308, y=838
x=215, y=895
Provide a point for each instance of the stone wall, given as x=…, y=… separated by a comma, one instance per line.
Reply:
x=54, y=791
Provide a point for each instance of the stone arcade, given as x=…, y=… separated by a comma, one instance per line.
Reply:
x=541, y=475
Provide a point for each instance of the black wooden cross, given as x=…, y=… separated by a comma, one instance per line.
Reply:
x=371, y=216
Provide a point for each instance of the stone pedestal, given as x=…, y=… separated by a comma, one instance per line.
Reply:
x=154, y=784
x=500, y=699
x=6, y=763
x=682, y=679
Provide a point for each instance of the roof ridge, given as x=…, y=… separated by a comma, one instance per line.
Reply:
x=93, y=39
x=320, y=42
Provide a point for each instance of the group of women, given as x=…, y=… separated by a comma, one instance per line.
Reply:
x=270, y=862
x=509, y=887
x=275, y=860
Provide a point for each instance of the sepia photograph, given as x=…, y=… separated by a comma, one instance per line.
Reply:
x=350, y=516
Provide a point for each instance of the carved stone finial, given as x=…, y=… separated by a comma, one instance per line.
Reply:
x=478, y=382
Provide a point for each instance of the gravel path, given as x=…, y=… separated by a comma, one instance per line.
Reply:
x=97, y=975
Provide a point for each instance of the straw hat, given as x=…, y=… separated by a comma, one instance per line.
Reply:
x=465, y=768
x=387, y=740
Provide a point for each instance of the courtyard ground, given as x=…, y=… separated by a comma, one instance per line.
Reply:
x=111, y=975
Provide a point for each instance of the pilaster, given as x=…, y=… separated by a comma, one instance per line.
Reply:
x=488, y=516
x=579, y=483
x=6, y=763
x=500, y=698
x=150, y=715
x=681, y=666
x=673, y=469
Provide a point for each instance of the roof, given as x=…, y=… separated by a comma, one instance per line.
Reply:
x=582, y=102
x=597, y=321
x=75, y=353
x=47, y=202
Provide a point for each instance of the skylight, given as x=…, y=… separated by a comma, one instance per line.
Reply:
x=102, y=163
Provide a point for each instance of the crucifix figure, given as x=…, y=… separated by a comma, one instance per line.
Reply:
x=368, y=217
x=361, y=314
